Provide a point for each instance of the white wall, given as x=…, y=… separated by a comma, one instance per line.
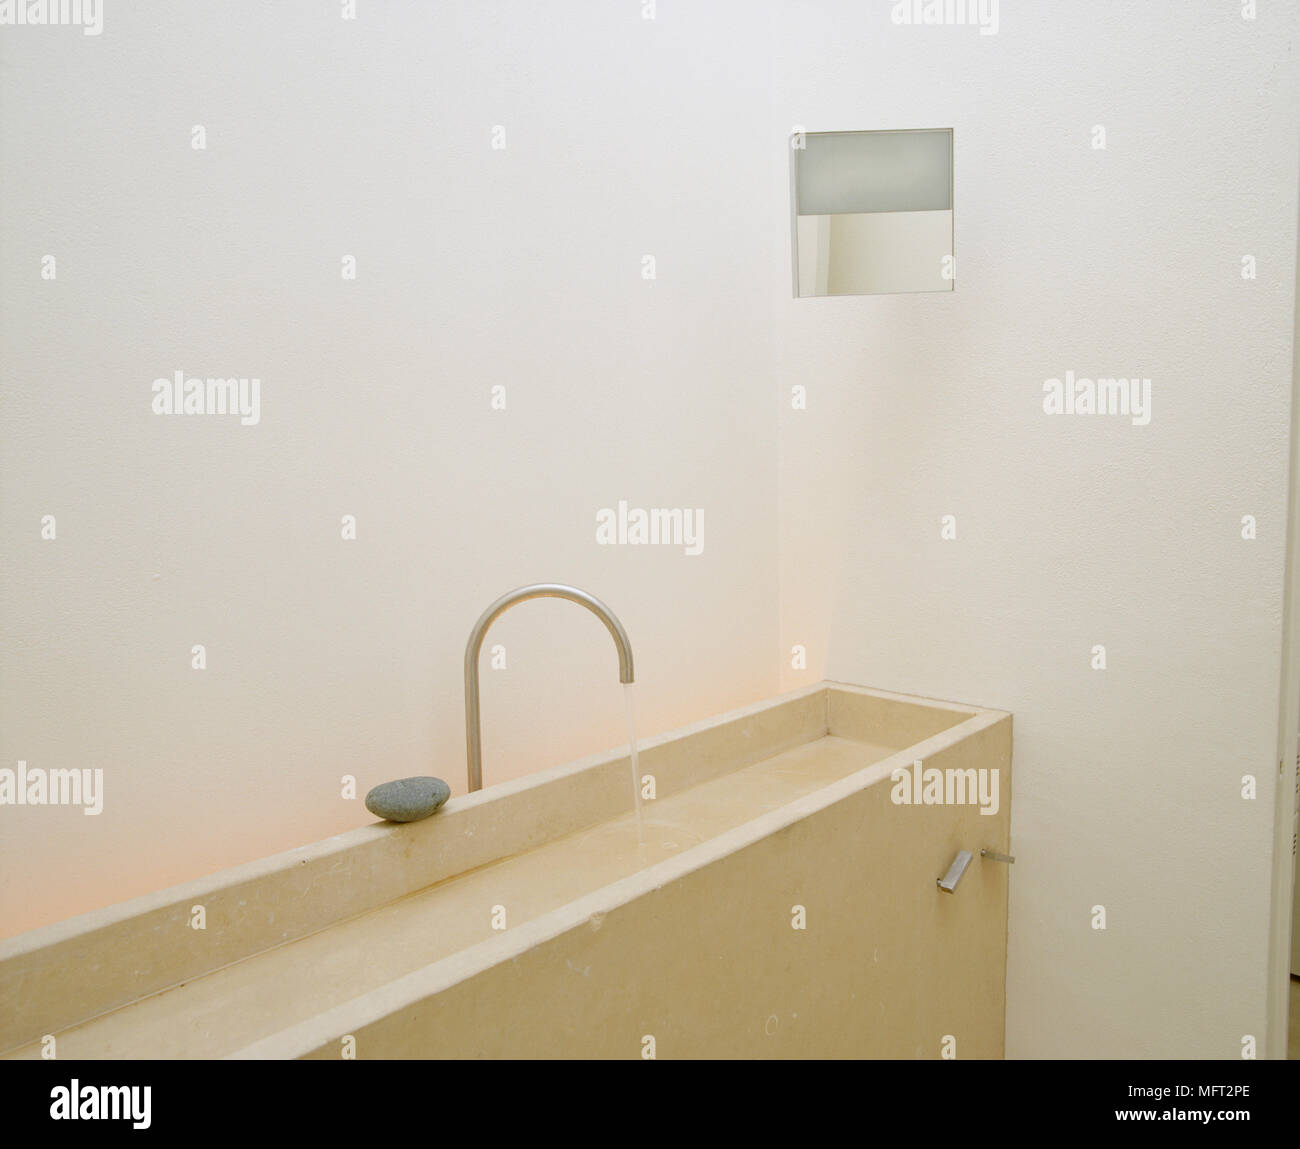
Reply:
x=476, y=267
x=1073, y=531
x=668, y=137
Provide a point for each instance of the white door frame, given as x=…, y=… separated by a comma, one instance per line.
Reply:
x=1284, y=812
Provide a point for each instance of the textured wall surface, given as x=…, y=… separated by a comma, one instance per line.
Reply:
x=476, y=267
x=1073, y=531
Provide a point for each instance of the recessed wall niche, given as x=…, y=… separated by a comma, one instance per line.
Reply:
x=872, y=212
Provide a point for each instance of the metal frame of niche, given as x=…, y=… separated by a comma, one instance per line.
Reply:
x=794, y=201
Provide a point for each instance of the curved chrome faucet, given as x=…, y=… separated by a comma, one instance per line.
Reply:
x=473, y=746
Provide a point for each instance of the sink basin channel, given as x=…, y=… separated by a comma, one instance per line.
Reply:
x=488, y=879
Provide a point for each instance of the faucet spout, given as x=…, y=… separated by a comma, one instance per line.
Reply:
x=473, y=744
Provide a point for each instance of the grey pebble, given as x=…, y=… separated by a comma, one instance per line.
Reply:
x=407, y=799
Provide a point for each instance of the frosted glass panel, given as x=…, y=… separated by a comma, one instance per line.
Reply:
x=875, y=171
x=873, y=212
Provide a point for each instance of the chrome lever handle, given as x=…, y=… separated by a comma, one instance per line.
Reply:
x=949, y=881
